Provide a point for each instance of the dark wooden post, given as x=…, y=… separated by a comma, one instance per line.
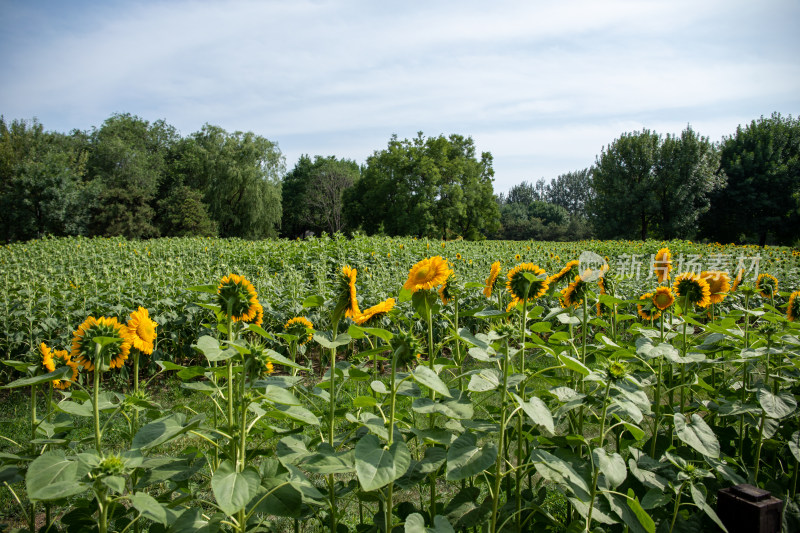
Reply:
x=748, y=509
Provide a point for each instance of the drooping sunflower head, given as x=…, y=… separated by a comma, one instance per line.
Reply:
x=767, y=285
x=663, y=298
x=738, y=280
x=53, y=360
x=237, y=298
x=111, y=355
x=142, y=330
x=662, y=264
x=258, y=320
x=513, y=304
x=793, y=309
x=491, y=281
x=374, y=313
x=348, y=300
x=693, y=289
x=719, y=283
x=565, y=273
x=602, y=308
x=300, y=327
x=406, y=348
x=647, y=309
x=573, y=294
x=428, y=274
x=606, y=283
x=450, y=289
x=519, y=285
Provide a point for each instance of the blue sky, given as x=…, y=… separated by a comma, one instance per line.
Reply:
x=541, y=85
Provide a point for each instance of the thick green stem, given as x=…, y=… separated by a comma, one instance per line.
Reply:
x=677, y=506
x=96, y=400
x=657, y=406
x=498, y=476
x=593, y=492
x=332, y=417
x=390, y=489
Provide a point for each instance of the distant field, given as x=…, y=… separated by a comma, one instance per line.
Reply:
x=614, y=415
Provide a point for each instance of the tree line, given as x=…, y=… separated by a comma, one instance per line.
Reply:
x=143, y=179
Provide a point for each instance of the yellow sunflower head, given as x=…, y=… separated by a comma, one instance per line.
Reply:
x=793, y=309
x=693, y=289
x=428, y=274
x=519, y=285
x=663, y=298
x=237, y=298
x=738, y=280
x=566, y=272
x=767, y=285
x=662, y=264
x=258, y=320
x=142, y=330
x=491, y=281
x=573, y=294
x=348, y=301
x=719, y=283
x=513, y=304
x=375, y=312
x=606, y=283
x=111, y=355
x=647, y=309
x=300, y=327
x=53, y=360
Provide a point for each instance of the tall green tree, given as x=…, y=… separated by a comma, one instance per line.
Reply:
x=435, y=187
x=761, y=165
x=42, y=182
x=624, y=182
x=648, y=186
x=238, y=175
x=572, y=191
x=129, y=159
x=313, y=195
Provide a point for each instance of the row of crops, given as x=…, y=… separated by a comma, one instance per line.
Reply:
x=496, y=386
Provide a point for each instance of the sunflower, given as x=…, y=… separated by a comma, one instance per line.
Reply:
x=375, y=312
x=58, y=359
x=299, y=326
x=564, y=272
x=606, y=284
x=719, y=283
x=573, y=294
x=767, y=285
x=427, y=274
x=347, y=292
x=691, y=286
x=512, y=304
x=738, y=280
x=113, y=354
x=518, y=284
x=793, y=310
x=259, y=318
x=237, y=296
x=142, y=330
x=647, y=309
x=258, y=362
x=492, y=279
x=663, y=298
x=662, y=264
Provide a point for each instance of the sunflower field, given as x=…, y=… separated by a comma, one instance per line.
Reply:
x=384, y=384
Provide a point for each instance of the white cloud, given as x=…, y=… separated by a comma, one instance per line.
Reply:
x=541, y=85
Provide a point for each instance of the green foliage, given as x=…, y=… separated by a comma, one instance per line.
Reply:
x=761, y=166
x=42, y=187
x=646, y=185
x=429, y=187
x=239, y=177
x=313, y=195
x=183, y=214
x=536, y=418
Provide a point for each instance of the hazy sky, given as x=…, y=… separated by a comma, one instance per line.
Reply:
x=542, y=85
